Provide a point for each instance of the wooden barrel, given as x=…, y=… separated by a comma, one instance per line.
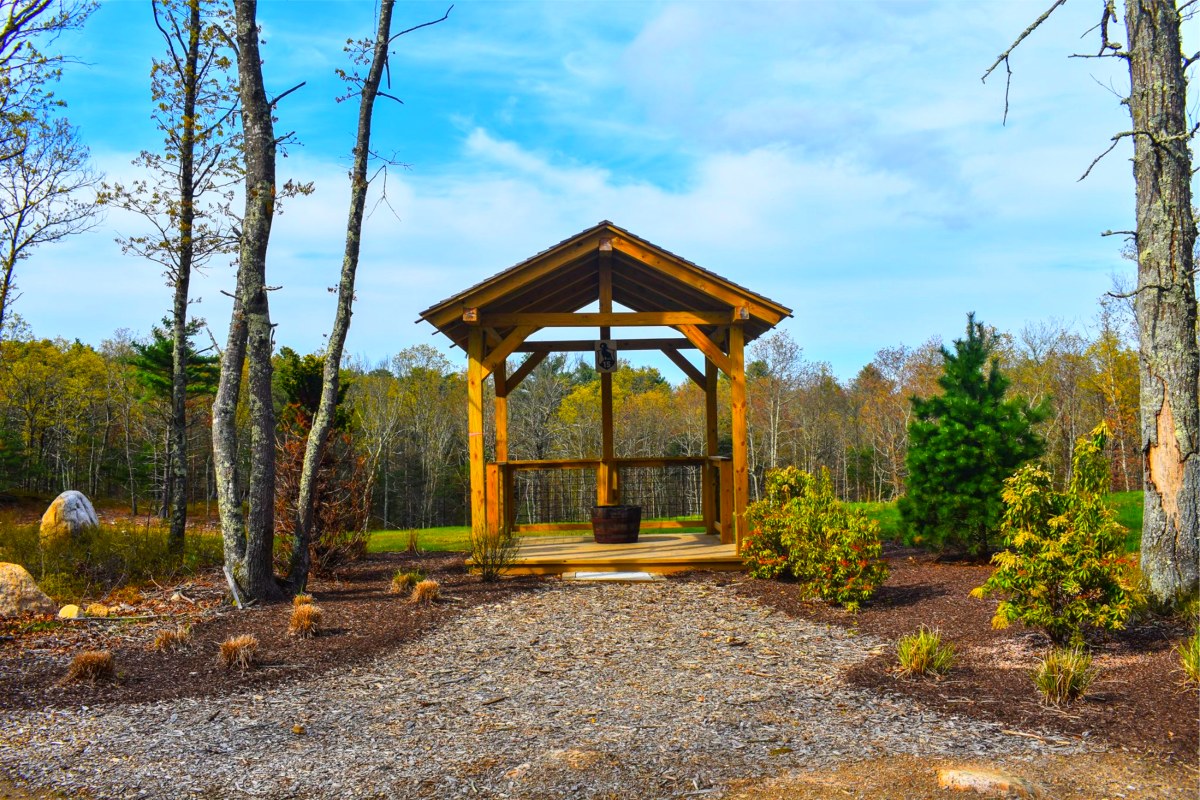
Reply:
x=616, y=524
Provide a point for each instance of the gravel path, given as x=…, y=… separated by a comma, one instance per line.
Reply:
x=643, y=690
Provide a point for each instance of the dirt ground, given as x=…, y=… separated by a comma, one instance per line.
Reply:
x=1139, y=706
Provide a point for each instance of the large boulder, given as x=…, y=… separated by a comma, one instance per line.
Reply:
x=68, y=516
x=20, y=595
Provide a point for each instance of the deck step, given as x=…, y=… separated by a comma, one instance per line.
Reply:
x=613, y=577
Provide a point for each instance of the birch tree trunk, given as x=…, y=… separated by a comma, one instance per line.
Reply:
x=1166, y=300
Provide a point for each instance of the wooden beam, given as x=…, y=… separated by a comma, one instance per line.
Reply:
x=502, y=285
x=741, y=474
x=707, y=346
x=688, y=367
x=527, y=366
x=588, y=345
x=591, y=319
x=705, y=282
x=506, y=347
x=475, y=432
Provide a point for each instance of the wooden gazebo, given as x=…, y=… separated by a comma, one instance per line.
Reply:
x=602, y=267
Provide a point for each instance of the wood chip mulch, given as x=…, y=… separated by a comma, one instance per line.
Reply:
x=1140, y=700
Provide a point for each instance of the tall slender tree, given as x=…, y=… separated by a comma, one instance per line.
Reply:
x=186, y=200
x=248, y=539
x=43, y=163
x=368, y=90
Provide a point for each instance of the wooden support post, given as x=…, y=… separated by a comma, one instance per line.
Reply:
x=709, y=472
x=500, y=378
x=607, y=493
x=475, y=431
x=725, y=470
x=741, y=474
x=494, y=510
x=509, y=516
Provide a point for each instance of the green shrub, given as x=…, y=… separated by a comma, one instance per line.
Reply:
x=1189, y=658
x=924, y=653
x=1065, y=674
x=1065, y=565
x=800, y=531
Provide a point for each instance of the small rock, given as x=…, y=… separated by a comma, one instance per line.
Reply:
x=19, y=594
x=69, y=611
x=986, y=782
x=517, y=772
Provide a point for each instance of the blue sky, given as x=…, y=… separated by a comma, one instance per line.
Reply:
x=842, y=158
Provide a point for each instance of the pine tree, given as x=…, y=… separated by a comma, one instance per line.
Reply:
x=963, y=443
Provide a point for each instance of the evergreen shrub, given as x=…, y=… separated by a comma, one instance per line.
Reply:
x=800, y=531
x=963, y=443
x=1065, y=566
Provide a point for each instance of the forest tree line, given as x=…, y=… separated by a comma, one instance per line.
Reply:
x=97, y=418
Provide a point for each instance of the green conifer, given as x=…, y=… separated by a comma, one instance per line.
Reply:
x=962, y=444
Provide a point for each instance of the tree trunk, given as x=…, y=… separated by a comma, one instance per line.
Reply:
x=1166, y=301
x=177, y=464
x=248, y=550
x=318, y=435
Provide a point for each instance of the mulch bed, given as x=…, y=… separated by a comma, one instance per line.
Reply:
x=361, y=619
x=1139, y=702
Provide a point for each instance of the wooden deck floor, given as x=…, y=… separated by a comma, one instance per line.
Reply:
x=658, y=552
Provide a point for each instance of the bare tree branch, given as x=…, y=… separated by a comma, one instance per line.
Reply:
x=443, y=18
x=275, y=102
x=1004, y=56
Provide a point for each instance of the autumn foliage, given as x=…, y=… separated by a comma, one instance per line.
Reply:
x=340, y=519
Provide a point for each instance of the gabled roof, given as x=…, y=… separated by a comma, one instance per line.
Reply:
x=566, y=278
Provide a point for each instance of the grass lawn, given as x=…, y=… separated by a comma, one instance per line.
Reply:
x=1129, y=513
x=886, y=514
x=449, y=538
x=457, y=537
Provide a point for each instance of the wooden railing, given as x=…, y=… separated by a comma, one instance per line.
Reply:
x=716, y=492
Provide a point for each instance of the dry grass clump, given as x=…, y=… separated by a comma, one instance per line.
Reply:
x=171, y=639
x=306, y=621
x=425, y=592
x=1065, y=674
x=1189, y=658
x=403, y=582
x=238, y=651
x=91, y=666
x=924, y=653
x=302, y=600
